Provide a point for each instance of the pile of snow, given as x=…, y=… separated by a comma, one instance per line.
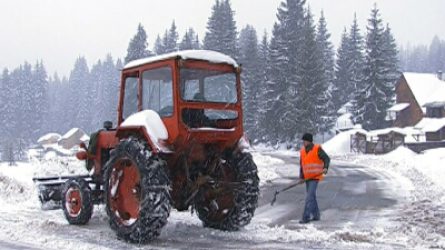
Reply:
x=152, y=123
x=341, y=143
x=344, y=122
x=49, y=138
x=267, y=167
x=432, y=164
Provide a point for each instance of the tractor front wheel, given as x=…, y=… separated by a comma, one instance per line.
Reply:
x=136, y=192
x=77, y=204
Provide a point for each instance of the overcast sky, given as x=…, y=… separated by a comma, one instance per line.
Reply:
x=58, y=31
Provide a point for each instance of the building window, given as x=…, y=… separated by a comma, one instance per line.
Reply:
x=434, y=112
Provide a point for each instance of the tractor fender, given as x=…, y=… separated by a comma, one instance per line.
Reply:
x=147, y=124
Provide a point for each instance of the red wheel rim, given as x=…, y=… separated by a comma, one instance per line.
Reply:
x=73, y=201
x=124, y=191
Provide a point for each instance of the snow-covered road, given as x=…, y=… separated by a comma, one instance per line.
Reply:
x=365, y=204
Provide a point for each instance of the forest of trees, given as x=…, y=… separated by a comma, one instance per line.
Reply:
x=294, y=81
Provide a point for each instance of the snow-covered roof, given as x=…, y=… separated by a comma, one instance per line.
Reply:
x=344, y=122
x=205, y=55
x=399, y=107
x=426, y=88
x=430, y=124
x=386, y=131
x=71, y=132
x=48, y=137
x=345, y=108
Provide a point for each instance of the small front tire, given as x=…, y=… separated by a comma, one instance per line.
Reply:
x=77, y=203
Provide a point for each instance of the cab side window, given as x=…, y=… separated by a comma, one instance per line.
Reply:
x=130, y=97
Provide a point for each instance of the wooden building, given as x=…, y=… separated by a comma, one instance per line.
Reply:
x=420, y=103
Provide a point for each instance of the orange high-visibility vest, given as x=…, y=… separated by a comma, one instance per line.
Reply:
x=312, y=165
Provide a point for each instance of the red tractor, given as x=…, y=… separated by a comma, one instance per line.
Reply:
x=178, y=142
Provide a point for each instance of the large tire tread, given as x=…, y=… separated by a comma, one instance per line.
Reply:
x=155, y=203
x=246, y=198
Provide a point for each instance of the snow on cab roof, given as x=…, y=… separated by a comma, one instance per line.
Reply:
x=205, y=55
x=427, y=88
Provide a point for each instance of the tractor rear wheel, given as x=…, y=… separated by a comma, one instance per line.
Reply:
x=231, y=208
x=77, y=203
x=136, y=192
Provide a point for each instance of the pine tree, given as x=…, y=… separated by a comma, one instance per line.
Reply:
x=264, y=70
x=355, y=84
x=275, y=87
x=138, y=47
x=79, y=114
x=285, y=54
x=342, y=89
x=28, y=103
x=221, y=32
x=310, y=90
x=391, y=62
x=172, y=39
x=159, y=47
x=111, y=81
x=189, y=41
x=326, y=108
x=249, y=58
x=377, y=93
x=5, y=110
x=436, y=55
x=40, y=95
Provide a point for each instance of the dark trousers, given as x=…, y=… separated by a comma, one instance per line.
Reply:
x=311, y=207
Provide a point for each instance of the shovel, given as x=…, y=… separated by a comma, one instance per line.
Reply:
x=289, y=187
x=285, y=189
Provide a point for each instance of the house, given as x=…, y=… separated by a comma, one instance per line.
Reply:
x=50, y=138
x=73, y=138
x=420, y=103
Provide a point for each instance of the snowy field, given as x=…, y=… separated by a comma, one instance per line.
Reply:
x=416, y=221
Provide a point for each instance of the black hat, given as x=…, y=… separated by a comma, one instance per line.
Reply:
x=307, y=137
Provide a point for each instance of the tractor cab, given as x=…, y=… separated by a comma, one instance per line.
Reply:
x=197, y=95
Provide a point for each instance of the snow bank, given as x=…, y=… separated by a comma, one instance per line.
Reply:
x=267, y=166
x=341, y=143
x=432, y=164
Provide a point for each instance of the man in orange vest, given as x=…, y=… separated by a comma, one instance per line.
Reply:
x=314, y=163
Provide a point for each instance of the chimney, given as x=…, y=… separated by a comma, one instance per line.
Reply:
x=440, y=75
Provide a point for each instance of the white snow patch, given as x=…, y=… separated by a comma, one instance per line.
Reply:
x=432, y=164
x=152, y=123
x=267, y=167
x=426, y=87
x=341, y=143
x=430, y=124
x=205, y=55
x=49, y=138
x=71, y=132
x=344, y=122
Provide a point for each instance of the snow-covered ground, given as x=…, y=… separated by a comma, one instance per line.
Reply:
x=416, y=221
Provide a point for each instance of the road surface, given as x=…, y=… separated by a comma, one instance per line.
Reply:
x=351, y=199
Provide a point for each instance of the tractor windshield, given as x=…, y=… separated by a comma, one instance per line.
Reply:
x=200, y=85
x=157, y=91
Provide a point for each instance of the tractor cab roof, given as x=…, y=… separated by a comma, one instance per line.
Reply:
x=203, y=55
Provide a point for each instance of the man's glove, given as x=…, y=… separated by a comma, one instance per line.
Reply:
x=325, y=170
